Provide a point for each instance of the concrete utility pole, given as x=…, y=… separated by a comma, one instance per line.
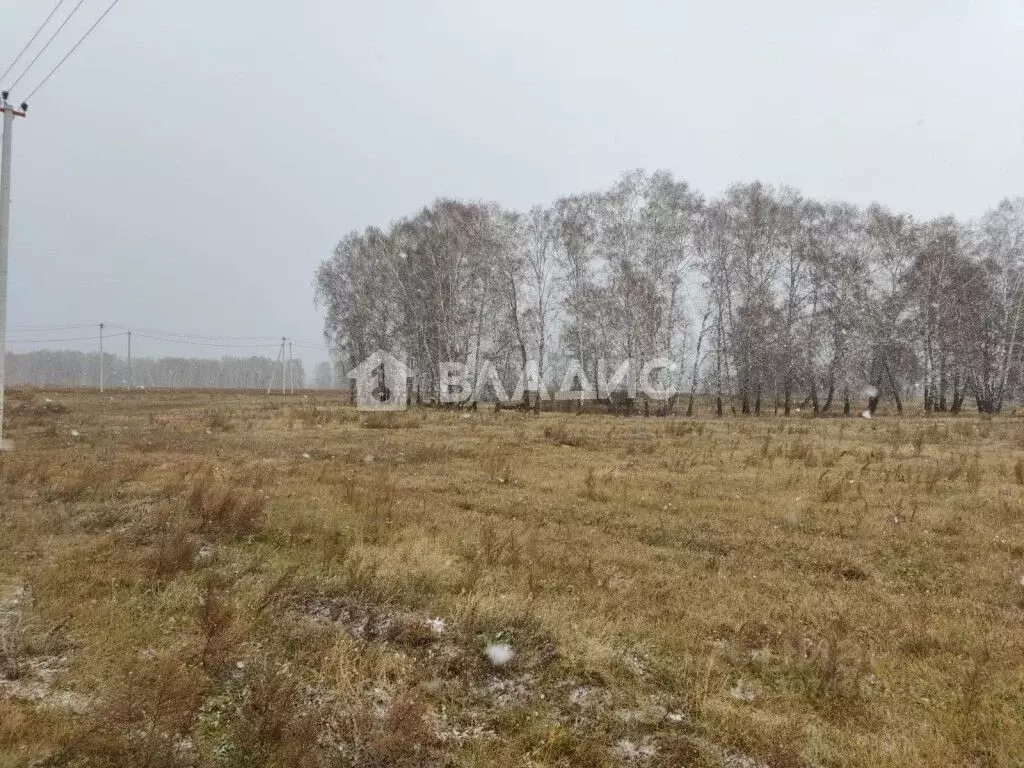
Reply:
x=129, y=359
x=101, y=358
x=282, y=366
x=273, y=369
x=291, y=371
x=5, y=235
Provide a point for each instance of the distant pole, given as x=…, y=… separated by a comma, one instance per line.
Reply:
x=291, y=371
x=273, y=368
x=282, y=365
x=5, y=232
x=129, y=359
x=101, y=358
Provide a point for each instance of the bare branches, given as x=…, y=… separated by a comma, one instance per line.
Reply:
x=800, y=301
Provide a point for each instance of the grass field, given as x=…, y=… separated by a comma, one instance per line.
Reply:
x=193, y=579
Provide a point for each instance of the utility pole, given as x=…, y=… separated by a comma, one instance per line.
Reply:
x=291, y=371
x=273, y=368
x=129, y=360
x=101, y=358
x=282, y=365
x=5, y=234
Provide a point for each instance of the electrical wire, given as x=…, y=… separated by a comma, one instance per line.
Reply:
x=309, y=342
x=204, y=343
x=74, y=338
x=166, y=336
x=47, y=45
x=190, y=335
x=44, y=328
x=32, y=40
x=73, y=49
x=317, y=347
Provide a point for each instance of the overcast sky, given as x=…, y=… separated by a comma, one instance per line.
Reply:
x=194, y=161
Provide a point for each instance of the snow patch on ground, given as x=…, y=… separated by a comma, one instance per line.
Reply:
x=24, y=677
x=499, y=654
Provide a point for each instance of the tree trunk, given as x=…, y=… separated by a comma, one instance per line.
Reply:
x=895, y=388
x=943, y=384
x=958, y=394
x=696, y=362
x=828, y=397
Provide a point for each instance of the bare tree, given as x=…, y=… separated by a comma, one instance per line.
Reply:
x=999, y=334
x=801, y=301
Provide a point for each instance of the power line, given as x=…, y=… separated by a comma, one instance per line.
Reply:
x=203, y=343
x=167, y=336
x=320, y=343
x=47, y=45
x=73, y=49
x=45, y=328
x=190, y=335
x=31, y=40
x=317, y=347
x=72, y=338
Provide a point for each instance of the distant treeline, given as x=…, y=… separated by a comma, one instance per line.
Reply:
x=66, y=368
x=764, y=298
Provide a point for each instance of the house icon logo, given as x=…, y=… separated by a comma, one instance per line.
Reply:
x=380, y=383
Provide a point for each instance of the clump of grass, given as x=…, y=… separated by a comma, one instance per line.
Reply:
x=215, y=616
x=679, y=428
x=560, y=434
x=1018, y=471
x=918, y=442
x=219, y=421
x=387, y=420
x=51, y=407
x=973, y=475
x=12, y=645
x=497, y=466
x=175, y=546
x=931, y=478
x=835, y=668
x=402, y=738
x=87, y=481
x=274, y=727
x=834, y=489
x=144, y=714
x=591, y=486
x=225, y=508
x=802, y=451
x=312, y=416
x=376, y=508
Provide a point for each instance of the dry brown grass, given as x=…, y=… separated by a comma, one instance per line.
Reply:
x=224, y=580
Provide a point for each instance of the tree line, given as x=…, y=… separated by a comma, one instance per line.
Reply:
x=68, y=368
x=765, y=298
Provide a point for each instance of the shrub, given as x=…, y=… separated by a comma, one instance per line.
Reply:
x=225, y=508
x=175, y=547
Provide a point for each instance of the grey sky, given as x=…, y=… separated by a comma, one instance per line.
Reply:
x=189, y=167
